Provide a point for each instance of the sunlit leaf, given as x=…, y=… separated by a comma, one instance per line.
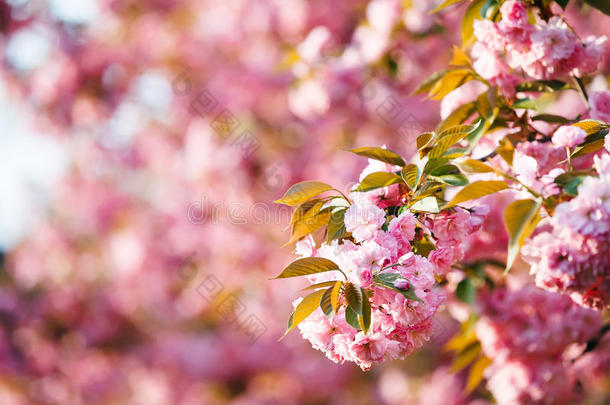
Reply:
x=424, y=139
x=591, y=126
x=473, y=12
x=326, y=302
x=309, y=223
x=323, y=284
x=378, y=180
x=384, y=155
x=453, y=179
x=411, y=175
x=458, y=116
x=460, y=58
x=303, y=310
x=476, y=190
x=474, y=166
x=308, y=265
x=334, y=295
x=364, y=320
x=426, y=204
x=430, y=82
x=521, y=218
x=336, y=226
x=475, y=374
x=506, y=150
x=466, y=357
x=451, y=81
x=303, y=191
x=445, y=4
x=448, y=138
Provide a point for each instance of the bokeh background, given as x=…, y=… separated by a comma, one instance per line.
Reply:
x=142, y=143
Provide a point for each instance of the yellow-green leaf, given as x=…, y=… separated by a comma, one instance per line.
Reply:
x=308, y=265
x=325, y=302
x=445, y=4
x=451, y=81
x=460, y=58
x=384, y=155
x=303, y=191
x=476, y=190
x=303, y=310
x=430, y=82
x=521, y=218
x=447, y=139
x=336, y=225
x=410, y=173
x=334, y=296
x=458, y=116
x=426, y=204
x=506, y=150
x=591, y=126
x=475, y=374
x=473, y=12
x=378, y=180
x=308, y=224
x=474, y=166
x=319, y=285
x=466, y=357
x=424, y=139
x=364, y=320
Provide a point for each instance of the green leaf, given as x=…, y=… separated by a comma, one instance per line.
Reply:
x=446, y=169
x=453, y=179
x=426, y=204
x=433, y=164
x=378, y=180
x=521, y=218
x=525, y=103
x=326, y=302
x=364, y=320
x=601, y=5
x=472, y=13
x=336, y=226
x=553, y=119
x=303, y=310
x=474, y=166
x=466, y=291
x=303, y=191
x=542, y=86
x=352, y=318
x=562, y=3
x=476, y=190
x=308, y=265
x=387, y=280
x=353, y=296
x=411, y=175
x=384, y=155
x=445, y=4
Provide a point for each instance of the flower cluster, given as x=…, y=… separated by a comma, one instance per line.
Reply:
x=543, y=50
x=527, y=332
x=573, y=255
x=382, y=257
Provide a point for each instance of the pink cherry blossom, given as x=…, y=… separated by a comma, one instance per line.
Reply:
x=569, y=136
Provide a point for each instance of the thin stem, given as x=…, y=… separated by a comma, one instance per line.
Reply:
x=581, y=89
